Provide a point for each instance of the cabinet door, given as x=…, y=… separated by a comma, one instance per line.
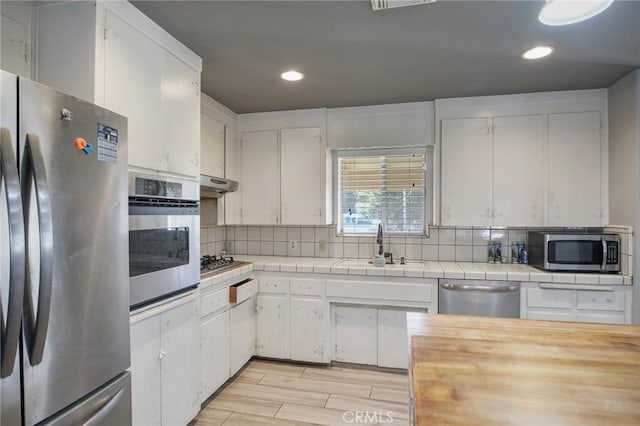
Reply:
x=242, y=336
x=211, y=146
x=133, y=81
x=214, y=353
x=272, y=320
x=302, y=177
x=146, y=397
x=557, y=315
x=180, y=116
x=393, y=346
x=309, y=330
x=517, y=170
x=15, y=37
x=466, y=172
x=232, y=170
x=574, y=169
x=260, y=195
x=180, y=369
x=356, y=335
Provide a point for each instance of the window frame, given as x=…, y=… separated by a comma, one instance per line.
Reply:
x=429, y=185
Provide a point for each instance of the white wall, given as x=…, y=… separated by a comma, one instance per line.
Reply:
x=624, y=165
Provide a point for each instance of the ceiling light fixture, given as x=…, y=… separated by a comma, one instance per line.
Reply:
x=390, y=4
x=565, y=12
x=537, y=52
x=292, y=75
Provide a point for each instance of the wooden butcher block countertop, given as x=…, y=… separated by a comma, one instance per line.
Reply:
x=497, y=371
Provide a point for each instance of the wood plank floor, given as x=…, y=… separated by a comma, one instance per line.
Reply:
x=278, y=393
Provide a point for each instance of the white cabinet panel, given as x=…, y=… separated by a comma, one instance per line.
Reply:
x=242, y=335
x=309, y=330
x=518, y=161
x=146, y=398
x=602, y=317
x=180, y=120
x=180, y=372
x=575, y=169
x=272, y=326
x=549, y=298
x=214, y=353
x=466, y=166
x=260, y=181
x=211, y=146
x=393, y=346
x=308, y=287
x=558, y=315
x=232, y=170
x=273, y=285
x=356, y=335
x=302, y=177
x=133, y=81
x=601, y=300
x=15, y=37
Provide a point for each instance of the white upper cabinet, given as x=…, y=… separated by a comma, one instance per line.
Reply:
x=121, y=60
x=232, y=170
x=518, y=162
x=260, y=192
x=133, y=88
x=302, y=177
x=523, y=160
x=211, y=146
x=575, y=169
x=15, y=37
x=466, y=172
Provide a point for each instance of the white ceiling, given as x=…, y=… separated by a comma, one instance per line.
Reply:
x=353, y=56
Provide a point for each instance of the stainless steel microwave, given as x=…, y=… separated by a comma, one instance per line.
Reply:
x=574, y=252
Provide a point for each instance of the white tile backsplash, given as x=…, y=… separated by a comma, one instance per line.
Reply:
x=351, y=250
x=413, y=252
x=266, y=233
x=430, y=252
x=279, y=248
x=446, y=253
x=464, y=236
x=447, y=236
x=266, y=248
x=280, y=233
x=253, y=233
x=307, y=234
x=307, y=249
x=464, y=253
x=293, y=233
x=253, y=247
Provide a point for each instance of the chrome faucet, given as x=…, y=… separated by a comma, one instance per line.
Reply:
x=388, y=256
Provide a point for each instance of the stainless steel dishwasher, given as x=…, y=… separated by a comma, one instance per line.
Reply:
x=481, y=298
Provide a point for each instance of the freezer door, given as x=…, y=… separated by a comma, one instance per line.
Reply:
x=73, y=168
x=11, y=286
x=109, y=406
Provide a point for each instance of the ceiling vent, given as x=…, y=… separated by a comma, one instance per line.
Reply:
x=390, y=4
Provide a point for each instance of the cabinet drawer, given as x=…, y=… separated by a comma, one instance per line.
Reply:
x=213, y=301
x=306, y=287
x=601, y=300
x=381, y=291
x=243, y=290
x=549, y=298
x=273, y=285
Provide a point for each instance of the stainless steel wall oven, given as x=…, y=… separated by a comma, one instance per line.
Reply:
x=164, y=236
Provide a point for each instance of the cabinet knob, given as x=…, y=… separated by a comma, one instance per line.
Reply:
x=162, y=354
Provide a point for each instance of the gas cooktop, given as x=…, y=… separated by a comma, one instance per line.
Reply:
x=214, y=263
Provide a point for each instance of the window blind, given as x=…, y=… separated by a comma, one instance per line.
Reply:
x=387, y=189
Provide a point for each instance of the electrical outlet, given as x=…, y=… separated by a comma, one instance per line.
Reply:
x=293, y=244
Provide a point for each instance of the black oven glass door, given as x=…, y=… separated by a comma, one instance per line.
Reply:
x=575, y=252
x=152, y=250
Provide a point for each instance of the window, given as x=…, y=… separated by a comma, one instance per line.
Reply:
x=382, y=186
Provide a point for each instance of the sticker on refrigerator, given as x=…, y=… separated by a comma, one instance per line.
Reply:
x=107, y=144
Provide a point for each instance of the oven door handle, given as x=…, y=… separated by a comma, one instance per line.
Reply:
x=604, y=254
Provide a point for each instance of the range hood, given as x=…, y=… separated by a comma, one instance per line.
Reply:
x=215, y=187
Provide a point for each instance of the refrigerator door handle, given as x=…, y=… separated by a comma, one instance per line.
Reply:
x=98, y=417
x=37, y=322
x=11, y=330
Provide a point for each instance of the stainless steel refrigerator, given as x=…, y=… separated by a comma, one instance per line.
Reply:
x=64, y=259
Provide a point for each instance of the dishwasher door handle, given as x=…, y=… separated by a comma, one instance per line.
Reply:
x=480, y=288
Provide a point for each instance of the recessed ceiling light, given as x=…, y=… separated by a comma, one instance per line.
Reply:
x=538, y=52
x=292, y=75
x=564, y=12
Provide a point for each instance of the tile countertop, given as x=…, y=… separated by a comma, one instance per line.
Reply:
x=429, y=269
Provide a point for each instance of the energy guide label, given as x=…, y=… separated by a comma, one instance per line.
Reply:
x=107, y=144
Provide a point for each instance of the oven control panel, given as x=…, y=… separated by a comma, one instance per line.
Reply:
x=158, y=188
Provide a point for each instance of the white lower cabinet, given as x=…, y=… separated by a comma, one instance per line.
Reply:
x=272, y=323
x=356, y=334
x=576, y=302
x=214, y=353
x=165, y=363
x=242, y=337
x=393, y=348
x=309, y=329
